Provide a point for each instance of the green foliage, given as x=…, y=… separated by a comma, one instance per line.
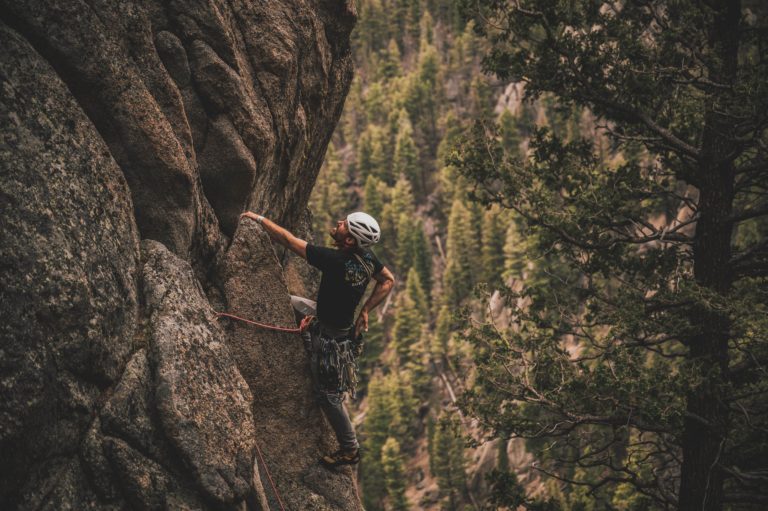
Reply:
x=329, y=197
x=409, y=320
x=375, y=341
x=372, y=26
x=390, y=409
x=457, y=279
x=389, y=65
x=510, y=133
x=393, y=466
x=372, y=157
x=630, y=326
x=493, y=239
x=406, y=158
x=422, y=257
x=374, y=196
x=426, y=32
x=422, y=97
x=506, y=490
x=449, y=462
x=415, y=291
x=443, y=330
x=377, y=103
x=404, y=250
x=481, y=98
x=353, y=118
x=400, y=201
x=616, y=303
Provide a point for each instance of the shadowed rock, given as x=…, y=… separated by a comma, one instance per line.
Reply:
x=68, y=268
x=122, y=121
x=203, y=402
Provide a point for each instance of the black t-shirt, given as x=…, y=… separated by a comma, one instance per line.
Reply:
x=342, y=284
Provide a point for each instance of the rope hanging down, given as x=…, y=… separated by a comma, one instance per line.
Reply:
x=296, y=330
x=271, y=482
x=302, y=326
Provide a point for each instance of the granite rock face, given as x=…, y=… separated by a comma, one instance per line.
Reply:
x=276, y=367
x=158, y=121
x=69, y=257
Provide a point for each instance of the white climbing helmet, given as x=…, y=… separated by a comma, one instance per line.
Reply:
x=364, y=228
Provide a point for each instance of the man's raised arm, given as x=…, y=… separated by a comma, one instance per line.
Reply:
x=279, y=234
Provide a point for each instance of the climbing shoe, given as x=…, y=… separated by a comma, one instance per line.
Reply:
x=341, y=457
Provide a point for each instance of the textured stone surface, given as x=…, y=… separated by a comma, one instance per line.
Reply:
x=154, y=120
x=290, y=429
x=202, y=400
x=262, y=82
x=68, y=260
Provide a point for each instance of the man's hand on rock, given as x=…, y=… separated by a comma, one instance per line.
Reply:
x=252, y=216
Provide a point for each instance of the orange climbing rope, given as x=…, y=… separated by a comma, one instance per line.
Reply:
x=295, y=330
x=302, y=326
x=274, y=488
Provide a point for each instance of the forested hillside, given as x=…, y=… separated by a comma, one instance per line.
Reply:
x=572, y=197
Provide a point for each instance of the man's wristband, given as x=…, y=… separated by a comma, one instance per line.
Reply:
x=259, y=218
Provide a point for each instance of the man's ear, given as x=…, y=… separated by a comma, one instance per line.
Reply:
x=350, y=242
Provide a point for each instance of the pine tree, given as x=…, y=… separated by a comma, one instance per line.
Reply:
x=422, y=258
x=385, y=418
x=510, y=133
x=414, y=20
x=422, y=96
x=372, y=27
x=375, y=433
x=364, y=154
x=353, y=116
x=406, y=157
x=372, y=157
x=393, y=465
x=329, y=197
x=389, y=62
x=515, y=252
x=377, y=103
x=426, y=32
x=374, y=196
x=404, y=249
x=374, y=343
x=402, y=197
x=380, y=161
x=493, y=234
x=402, y=388
x=406, y=331
x=659, y=306
x=457, y=279
x=415, y=291
x=449, y=462
x=481, y=98
x=401, y=201
x=443, y=332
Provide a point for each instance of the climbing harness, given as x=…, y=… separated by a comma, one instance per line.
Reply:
x=336, y=365
x=296, y=330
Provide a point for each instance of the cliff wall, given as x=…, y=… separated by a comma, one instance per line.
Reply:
x=132, y=135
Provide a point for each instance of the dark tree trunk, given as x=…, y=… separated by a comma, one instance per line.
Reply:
x=706, y=423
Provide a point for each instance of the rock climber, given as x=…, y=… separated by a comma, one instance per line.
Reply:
x=333, y=340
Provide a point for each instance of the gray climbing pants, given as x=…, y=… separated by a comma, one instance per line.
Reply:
x=331, y=401
x=332, y=404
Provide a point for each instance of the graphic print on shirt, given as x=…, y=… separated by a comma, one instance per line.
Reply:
x=354, y=273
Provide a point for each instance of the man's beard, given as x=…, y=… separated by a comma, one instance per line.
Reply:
x=334, y=233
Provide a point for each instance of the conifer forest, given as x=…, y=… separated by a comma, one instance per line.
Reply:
x=573, y=197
